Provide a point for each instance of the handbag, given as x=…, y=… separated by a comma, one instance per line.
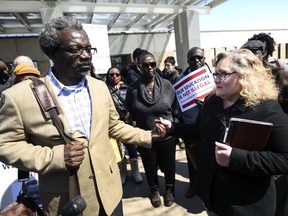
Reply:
x=120, y=107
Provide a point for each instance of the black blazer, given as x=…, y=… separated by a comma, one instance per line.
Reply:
x=246, y=187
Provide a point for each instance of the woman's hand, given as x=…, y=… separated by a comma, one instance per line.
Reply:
x=222, y=154
x=164, y=122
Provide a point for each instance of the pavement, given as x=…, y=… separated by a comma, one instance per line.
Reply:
x=136, y=200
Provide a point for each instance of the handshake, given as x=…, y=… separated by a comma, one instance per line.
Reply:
x=162, y=126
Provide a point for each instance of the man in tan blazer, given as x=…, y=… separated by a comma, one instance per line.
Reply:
x=31, y=142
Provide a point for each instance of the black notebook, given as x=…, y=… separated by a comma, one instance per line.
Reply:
x=248, y=134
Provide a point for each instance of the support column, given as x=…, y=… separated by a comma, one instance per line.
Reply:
x=187, y=35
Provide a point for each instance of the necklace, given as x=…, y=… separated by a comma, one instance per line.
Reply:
x=149, y=87
x=149, y=90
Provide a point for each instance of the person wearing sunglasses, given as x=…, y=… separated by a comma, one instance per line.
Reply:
x=148, y=98
x=31, y=142
x=195, y=60
x=233, y=181
x=118, y=91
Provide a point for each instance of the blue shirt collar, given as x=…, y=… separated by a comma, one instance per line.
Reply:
x=59, y=86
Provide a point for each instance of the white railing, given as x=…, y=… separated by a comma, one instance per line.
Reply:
x=281, y=52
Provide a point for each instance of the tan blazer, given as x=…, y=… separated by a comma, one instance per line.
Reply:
x=30, y=142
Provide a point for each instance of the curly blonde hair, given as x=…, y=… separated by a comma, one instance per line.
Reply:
x=256, y=80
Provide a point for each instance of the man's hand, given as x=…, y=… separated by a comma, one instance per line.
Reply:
x=16, y=209
x=73, y=154
x=222, y=154
x=164, y=122
x=159, y=131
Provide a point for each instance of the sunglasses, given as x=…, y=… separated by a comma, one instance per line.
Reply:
x=114, y=74
x=149, y=64
x=194, y=58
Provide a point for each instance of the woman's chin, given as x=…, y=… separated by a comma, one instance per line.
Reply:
x=218, y=93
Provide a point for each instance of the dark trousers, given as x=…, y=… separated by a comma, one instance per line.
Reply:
x=191, y=168
x=191, y=171
x=162, y=155
x=281, y=194
x=132, y=151
x=117, y=212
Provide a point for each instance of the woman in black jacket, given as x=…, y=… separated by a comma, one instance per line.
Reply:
x=147, y=98
x=118, y=90
x=233, y=181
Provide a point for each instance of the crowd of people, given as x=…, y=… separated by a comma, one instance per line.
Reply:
x=137, y=106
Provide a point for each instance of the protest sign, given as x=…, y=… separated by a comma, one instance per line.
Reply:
x=193, y=87
x=98, y=37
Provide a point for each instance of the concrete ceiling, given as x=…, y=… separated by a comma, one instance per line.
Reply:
x=120, y=16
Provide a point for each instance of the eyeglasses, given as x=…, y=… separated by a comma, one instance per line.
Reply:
x=114, y=74
x=149, y=64
x=78, y=51
x=223, y=75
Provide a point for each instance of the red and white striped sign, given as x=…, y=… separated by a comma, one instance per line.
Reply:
x=194, y=87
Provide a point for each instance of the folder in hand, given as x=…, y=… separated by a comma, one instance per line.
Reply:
x=248, y=134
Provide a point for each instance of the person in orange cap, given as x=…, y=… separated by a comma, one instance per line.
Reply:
x=24, y=72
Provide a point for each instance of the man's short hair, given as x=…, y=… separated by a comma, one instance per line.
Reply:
x=49, y=40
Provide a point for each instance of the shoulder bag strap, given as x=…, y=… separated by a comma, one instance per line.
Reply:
x=50, y=109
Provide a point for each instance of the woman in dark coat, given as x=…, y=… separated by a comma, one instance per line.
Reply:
x=233, y=181
x=148, y=98
x=118, y=91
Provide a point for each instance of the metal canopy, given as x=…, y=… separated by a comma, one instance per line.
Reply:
x=120, y=16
